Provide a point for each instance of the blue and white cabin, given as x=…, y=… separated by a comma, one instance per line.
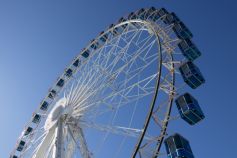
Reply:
x=36, y=118
x=150, y=12
x=182, y=31
x=114, y=31
x=20, y=146
x=189, y=109
x=120, y=29
x=178, y=147
x=28, y=131
x=132, y=15
x=155, y=16
x=189, y=50
x=171, y=18
x=94, y=45
x=122, y=20
x=44, y=106
x=104, y=37
x=52, y=94
x=191, y=74
x=60, y=82
x=86, y=52
x=111, y=25
x=162, y=12
x=76, y=63
x=68, y=72
x=141, y=13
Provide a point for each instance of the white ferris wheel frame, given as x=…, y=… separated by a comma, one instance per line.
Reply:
x=165, y=83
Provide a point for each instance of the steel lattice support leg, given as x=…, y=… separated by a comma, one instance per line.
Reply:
x=59, y=152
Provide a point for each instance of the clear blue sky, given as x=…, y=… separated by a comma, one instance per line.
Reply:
x=39, y=38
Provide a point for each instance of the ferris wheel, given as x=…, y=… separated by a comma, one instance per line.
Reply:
x=115, y=99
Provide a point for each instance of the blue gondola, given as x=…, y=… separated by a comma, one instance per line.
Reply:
x=14, y=156
x=189, y=109
x=155, y=16
x=182, y=31
x=191, y=74
x=76, y=63
x=141, y=14
x=94, y=45
x=119, y=29
x=28, y=131
x=171, y=18
x=132, y=15
x=36, y=118
x=60, y=82
x=44, y=106
x=178, y=147
x=20, y=145
x=85, y=53
x=113, y=31
x=111, y=25
x=52, y=94
x=162, y=12
x=68, y=72
x=189, y=50
x=150, y=12
x=122, y=20
x=104, y=37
